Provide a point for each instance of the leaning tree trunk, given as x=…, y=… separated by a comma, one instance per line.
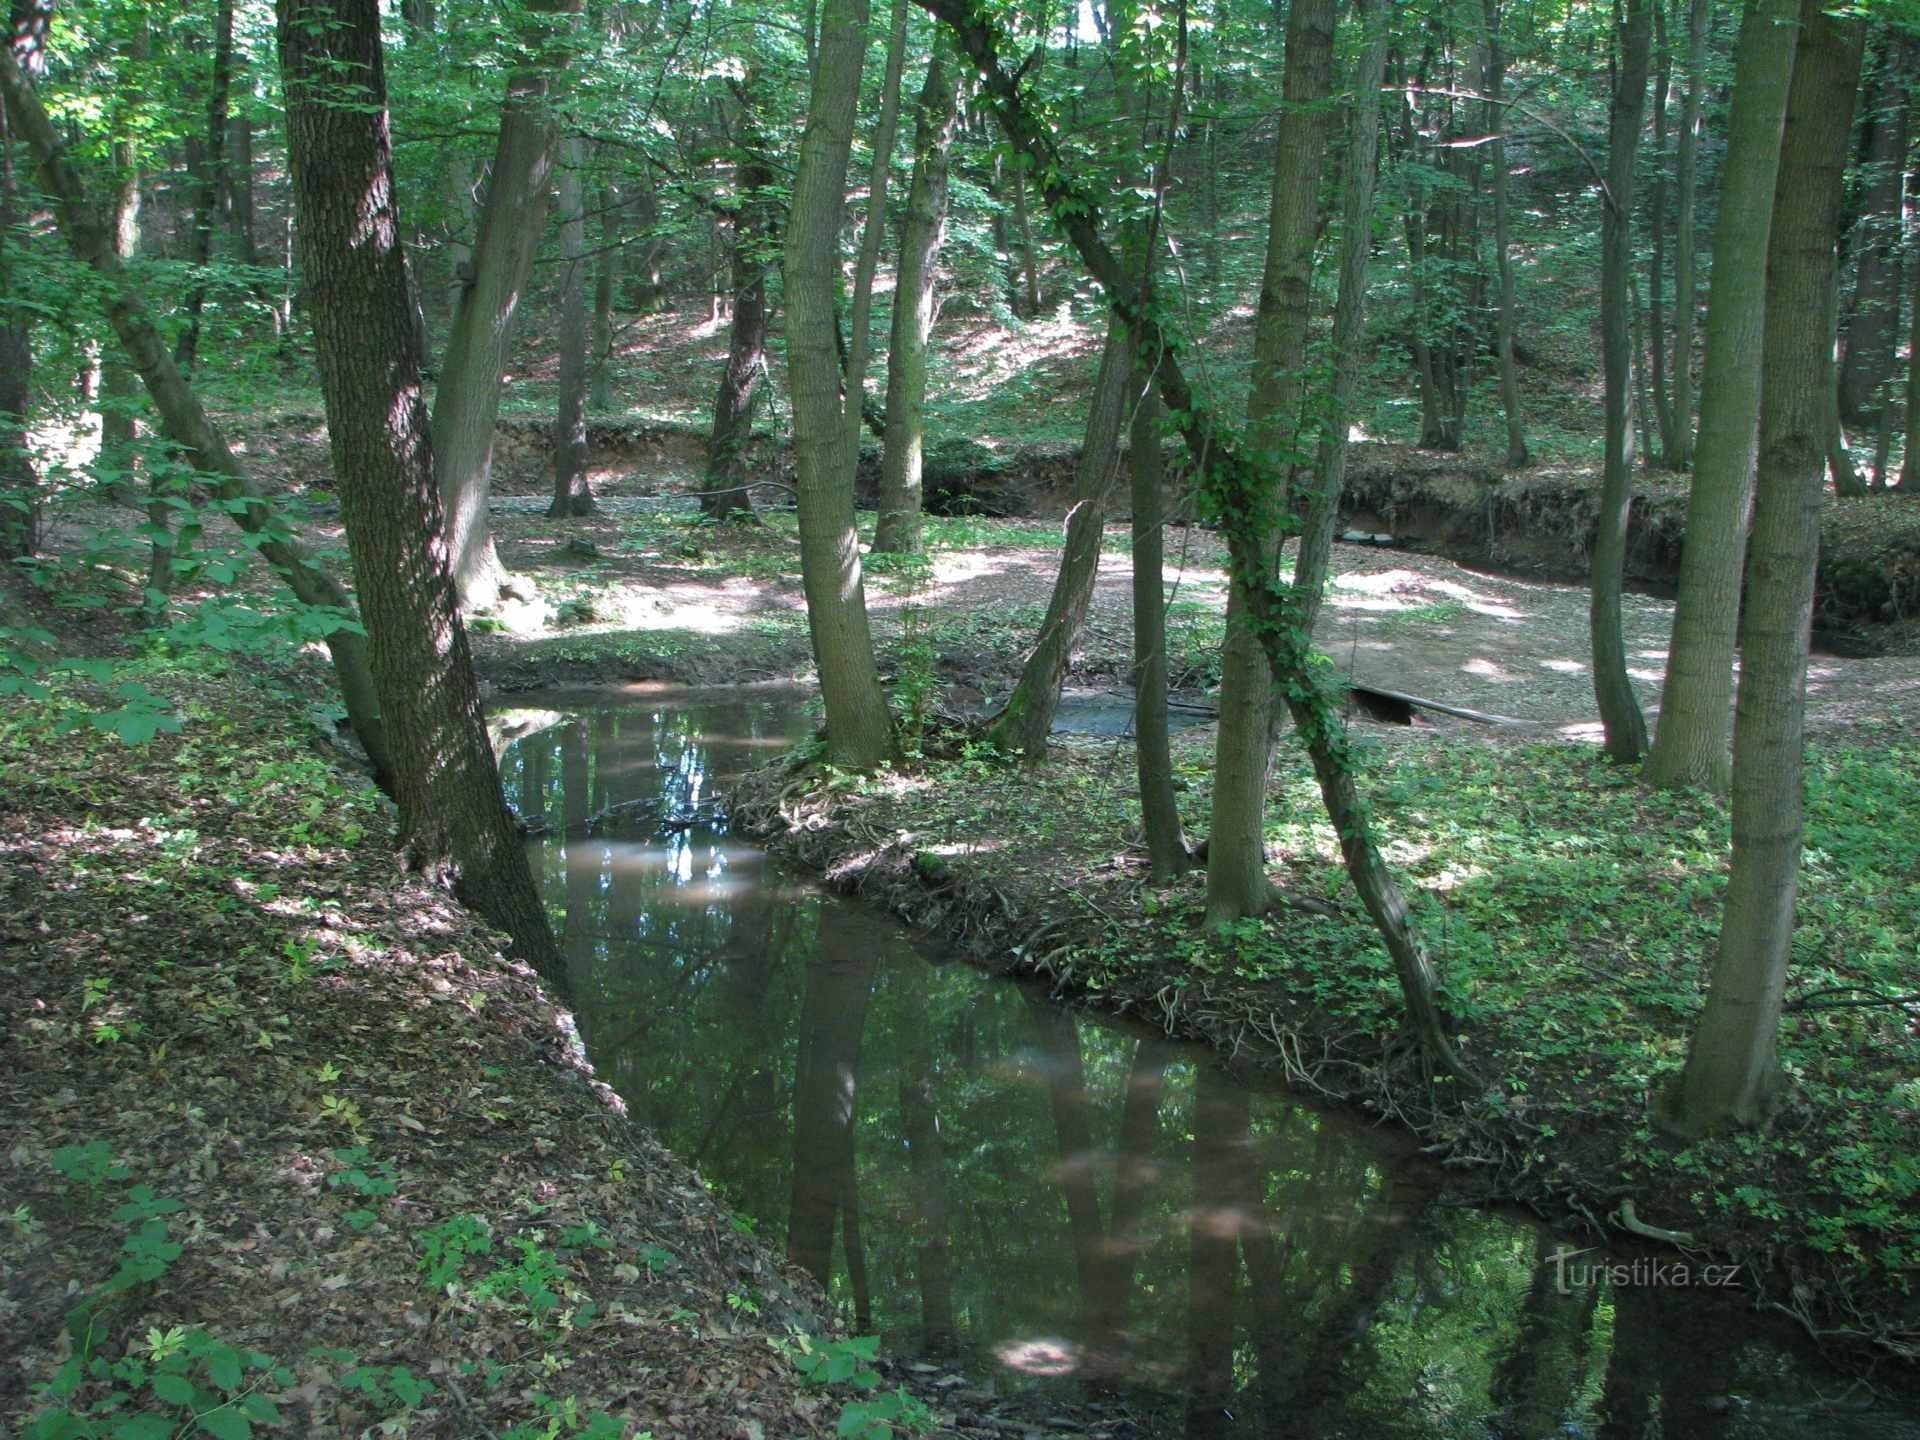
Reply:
x=1237, y=882
x=1625, y=726
x=1026, y=720
x=1233, y=483
x=466, y=406
x=453, y=821
x=185, y=422
x=859, y=336
x=1732, y=1070
x=1685, y=242
x=572, y=491
x=725, y=495
x=211, y=185
x=898, y=528
x=859, y=727
x=1690, y=746
x=1518, y=456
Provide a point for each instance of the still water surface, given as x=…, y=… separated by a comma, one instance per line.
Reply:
x=984, y=1177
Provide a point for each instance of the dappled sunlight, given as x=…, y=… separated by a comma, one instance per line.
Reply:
x=1565, y=667
x=1387, y=591
x=1489, y=670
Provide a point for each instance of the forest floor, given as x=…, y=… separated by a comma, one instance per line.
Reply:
x=290, y=1144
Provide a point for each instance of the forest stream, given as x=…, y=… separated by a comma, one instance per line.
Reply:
x=1025, y=1197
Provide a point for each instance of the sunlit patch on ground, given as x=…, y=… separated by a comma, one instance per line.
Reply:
x=1040, y=1356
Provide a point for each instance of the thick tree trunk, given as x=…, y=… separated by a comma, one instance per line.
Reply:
x=572, y=491
x=1910, y=456
x=1686, y=244
x=1237, y=883
x=725, y=494
x=239, y=201
x=466, y=403
x=1625, y=726
x=859, y=727
x=898, y=527
x=1518, y=455
x=453, y=822
x=1731, y=1070
x=1026, y=720
x=210, y=184
x=185, y=422
x=1867, y=346
x=886, y=127
x=1690, y=746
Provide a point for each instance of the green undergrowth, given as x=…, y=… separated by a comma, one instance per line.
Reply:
x=297, y=1151
x=1575, y=916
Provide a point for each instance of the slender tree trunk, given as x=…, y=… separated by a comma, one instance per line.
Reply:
x=462, y=214
x=886, y=127
x=1690, y=747
x=1518, y=455
x=1656, y=349
x=1026, y=720
x=1167, y=853
x=1349, y=315
x=606, y=285
x=453, y=822
x=898, y=527
x=572, y=490
x=210, y=185
x=1686, y=244
x=1029, y=254
x=1234, y=482
x=466, y=404
x=119, y=386
x=1626, y=728
x=1237, y=883
x=185, y=422
x=826, y=1085
x=859, y=728
x=1910, y=455
x=1221, y=1121
x=1867, y=347
x=726, y=496
x=19, y=484
x=1732, y=1070
x=239, y=201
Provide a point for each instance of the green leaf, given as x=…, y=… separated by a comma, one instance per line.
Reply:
x=226, y=1423
x=174, y=1389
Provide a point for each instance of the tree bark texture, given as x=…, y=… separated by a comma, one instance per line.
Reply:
x=466, y=403
x=1166, y=843
x=1237, y=883
x=185, y=422
x=606, y=285
x=886, y=126
x=1625, y=726
x=859, y=727
x=572, y=491
x=1732, y=1071
x=1690, y=746
x=1026, y=720
x=902, y=455
x=453, y=822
